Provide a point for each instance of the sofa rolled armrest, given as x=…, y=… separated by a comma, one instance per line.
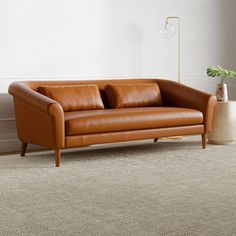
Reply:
x=30, y=104
x=31, y=97
x=178, y=95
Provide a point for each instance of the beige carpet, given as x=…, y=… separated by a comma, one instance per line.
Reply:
x=164, y=188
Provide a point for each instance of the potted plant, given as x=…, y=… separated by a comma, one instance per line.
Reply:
x=221, y=88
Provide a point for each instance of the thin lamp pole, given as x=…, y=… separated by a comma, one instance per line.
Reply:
x=178, y=43
x=178, y=58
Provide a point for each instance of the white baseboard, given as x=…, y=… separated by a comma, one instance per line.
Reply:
x=10, y=143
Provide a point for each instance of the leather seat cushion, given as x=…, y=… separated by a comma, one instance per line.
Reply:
x=133, y=95
x=74, y=98
x=126, y=119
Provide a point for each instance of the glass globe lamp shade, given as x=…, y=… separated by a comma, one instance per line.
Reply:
x=167, y=30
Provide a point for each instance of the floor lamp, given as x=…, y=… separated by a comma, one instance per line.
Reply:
x=167, y=31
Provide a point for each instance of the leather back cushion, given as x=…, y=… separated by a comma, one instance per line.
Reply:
x=133, y=95
x=74, y=98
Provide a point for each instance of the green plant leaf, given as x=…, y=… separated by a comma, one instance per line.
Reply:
x=220, y=72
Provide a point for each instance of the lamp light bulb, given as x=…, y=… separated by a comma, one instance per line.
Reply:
x=167, y=30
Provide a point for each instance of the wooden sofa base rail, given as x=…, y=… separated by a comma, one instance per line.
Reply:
x=57, y=151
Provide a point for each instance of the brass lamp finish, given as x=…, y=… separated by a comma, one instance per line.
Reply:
x=176, y=18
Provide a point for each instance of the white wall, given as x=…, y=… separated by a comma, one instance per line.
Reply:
x=75, y=39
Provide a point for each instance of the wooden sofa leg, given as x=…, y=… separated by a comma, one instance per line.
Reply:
x=23, y=148
x=155, y=140
x=57, y=157
x=204, y=140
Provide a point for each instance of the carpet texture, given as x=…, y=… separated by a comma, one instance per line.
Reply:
x=142, y=189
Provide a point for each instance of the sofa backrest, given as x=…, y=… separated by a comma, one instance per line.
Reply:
x=100, y=83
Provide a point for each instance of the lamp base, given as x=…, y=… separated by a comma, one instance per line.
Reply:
x=172, y=138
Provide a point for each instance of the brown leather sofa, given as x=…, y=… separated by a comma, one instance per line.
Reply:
x=67, y=114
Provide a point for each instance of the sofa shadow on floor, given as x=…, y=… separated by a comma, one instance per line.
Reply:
x=43, y=159
x=124, y=150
